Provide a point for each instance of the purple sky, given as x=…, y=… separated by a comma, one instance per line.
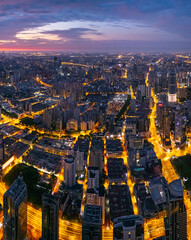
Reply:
x=95, y=25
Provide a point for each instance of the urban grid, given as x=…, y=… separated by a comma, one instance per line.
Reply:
x=95, y=130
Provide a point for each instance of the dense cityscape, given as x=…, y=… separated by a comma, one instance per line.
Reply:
x=95, y=120
x=95, y=146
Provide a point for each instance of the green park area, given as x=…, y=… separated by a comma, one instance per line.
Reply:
x=31, y=177
x=183, y=168
x=123, y=109
x=27, y=121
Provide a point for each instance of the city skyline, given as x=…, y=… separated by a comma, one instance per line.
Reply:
x=95, y=26
x=95, y=120
x=108, y=135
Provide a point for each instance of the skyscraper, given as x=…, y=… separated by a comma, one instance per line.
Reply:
x=2, y=149
x=47, y=118
x=92, y=223
x=69, y=171
x=165, y=133
x=172, y=86
x=176, y=220
x=12, y=77
x=96, y=154
x=129, y=227
x=180, y=127
x=50, y=217
x=96, y=196
x=96, y=158
x=15, y=211
x=93, y=177
x=55, y=62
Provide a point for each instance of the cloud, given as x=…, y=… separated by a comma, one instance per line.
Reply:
x=27, y=35
x=60, y=31
x=7, y=41
x=37, y=12
x=102, y=20
x=3, y=42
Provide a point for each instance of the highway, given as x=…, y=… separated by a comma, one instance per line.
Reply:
x=182, y=56
x=129, y=181
x=152, y=227
x=42, y=83
x=147, y=80
x=159, y=61
x=109, y=93
x=76, y=64
x=88, y=109
x=165, y=156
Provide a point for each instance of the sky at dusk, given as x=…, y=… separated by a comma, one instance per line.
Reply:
x=95, y=25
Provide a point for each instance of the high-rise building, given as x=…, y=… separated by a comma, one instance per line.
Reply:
x=96, y=158
x=143, y=124
x=72, y=125
x=180, y=127
x=165, y=131
x=120, y=203
x=58, y=125
x=2, y=149
x=96, y=197
x=69, y=171
x=83, y=126
x=172, y=86
x=80, y=153
x=159, y=113
x=47, y=118
x=148, y=92
x=129, y=227
x=92, y=223
x=55, y=62
x=139, y=96
x=15, y=211
x=12, y=77
x=93, y=177
x=50, y=217
x=176, y=220
x=79, y=160
x=91, y=124
x=135, y=141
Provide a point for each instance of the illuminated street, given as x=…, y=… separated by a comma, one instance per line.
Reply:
x=102, y=111
x=95, y=120
x=129, y=181
x=168, y=170
x=67, y=230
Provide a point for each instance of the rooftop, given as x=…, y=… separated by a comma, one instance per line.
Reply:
x=93, y=214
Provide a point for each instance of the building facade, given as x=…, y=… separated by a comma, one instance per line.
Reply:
x=15, y=211
x=50, y=217
x=69, y=171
